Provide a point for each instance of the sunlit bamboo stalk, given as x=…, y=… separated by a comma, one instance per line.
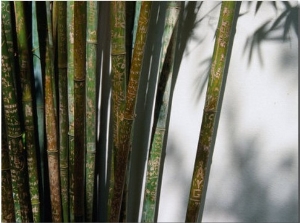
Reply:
x=128, y=116
x=209, y=122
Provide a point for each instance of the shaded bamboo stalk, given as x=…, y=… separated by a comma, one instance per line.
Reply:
x=136, y=21
x=209, y=122
x=119, y=80
x=91, y=55
x=7, y=200
x=128, y=116
x=51, y=127
x=25, y=76
x=63, y=105
x=18, y=164
x=39, y=100
x=79, y=106
x=154, y=166
x=70, y=76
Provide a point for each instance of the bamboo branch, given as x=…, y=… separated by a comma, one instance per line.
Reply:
x=209, y=123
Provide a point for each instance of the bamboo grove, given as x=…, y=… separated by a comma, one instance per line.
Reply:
x=51, y=89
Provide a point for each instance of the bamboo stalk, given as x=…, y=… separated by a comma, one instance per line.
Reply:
x=7, y=200
x=209, y=122
x=20, y=185
x=119, y=80
x=51, y=127
x=70, y=74
x=91, y=55
x=136, y=21
x=63, y=105
x=79, y=105
x=128, y=116
x=161, y=113
x=25, y=76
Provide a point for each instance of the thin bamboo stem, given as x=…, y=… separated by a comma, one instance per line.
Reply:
x=91, y=55
x=79, y=106
x=209, y=122
x=20, y=184
x=128, y=116
x=70, y=74
x=51, y=127
x=63, y=105
x=161, y=113
x=25, y=76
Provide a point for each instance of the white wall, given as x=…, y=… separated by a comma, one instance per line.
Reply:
x=254, y=171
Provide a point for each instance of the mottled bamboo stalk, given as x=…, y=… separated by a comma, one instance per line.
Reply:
x=26, y=77
x=79, y=106
x=91, y=108
x=209, y=123
x=161, y=113
x=7, y=200
x=51, y=127
x=136, y=21
x=119, y=80
x=70, y=74
x=18, y=164
x=128, y=116
x=61, y=9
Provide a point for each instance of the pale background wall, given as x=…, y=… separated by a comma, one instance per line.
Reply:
x=254, y=171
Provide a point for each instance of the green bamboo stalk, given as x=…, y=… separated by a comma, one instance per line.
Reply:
x=61, y=8
x=149, y=213
x=91, y=53
x=70, y=74
x=209, y=122
x=20, y=184
x=51, y=127
x=128, y=116
x=136, y=21
x=79, y=105
x=7, y=200
x=119, y=83
x=25, y=76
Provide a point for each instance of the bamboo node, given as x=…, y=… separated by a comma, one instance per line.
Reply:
x=79, y=79
x=210, y=110
x=92, y=41
x=15, y=136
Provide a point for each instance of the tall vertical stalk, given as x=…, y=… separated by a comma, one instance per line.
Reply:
x=70, y=74
x=128, y=116
x=7, y=200
x=209, y=122
x=161, y=113
x=17, y=154
x=91, y=53
x=119, y=80
x=25, y=76
x=63, y=105
x=51, y=127
x=79, y=105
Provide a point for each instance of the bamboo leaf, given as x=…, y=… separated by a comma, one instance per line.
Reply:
x=209, y=123
x=91, y=53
